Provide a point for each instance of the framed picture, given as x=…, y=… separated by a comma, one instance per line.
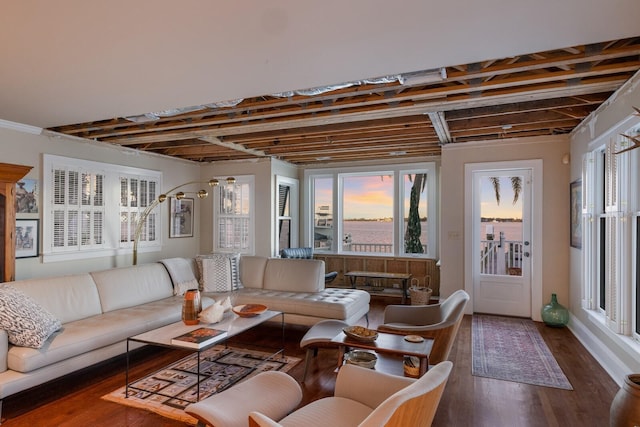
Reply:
x=181, y=214
x=27, y=238
x=26, y=200
x=575, y=230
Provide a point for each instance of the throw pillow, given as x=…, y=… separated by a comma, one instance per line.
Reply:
x=27, y=323
x=183, y=287
x=219, y=272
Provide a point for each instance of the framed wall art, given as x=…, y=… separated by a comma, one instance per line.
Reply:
x=26, y=200
x=181, y=217
x=575, y=230
x=27, y=233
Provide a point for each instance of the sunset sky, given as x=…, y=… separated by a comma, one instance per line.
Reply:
x=367, y=197
x=490, y=209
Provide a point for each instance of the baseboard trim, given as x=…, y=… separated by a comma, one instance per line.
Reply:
x=611, y=363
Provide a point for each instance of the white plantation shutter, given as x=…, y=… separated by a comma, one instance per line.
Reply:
x=233, y=225
x=136, y=193
x=78, y=209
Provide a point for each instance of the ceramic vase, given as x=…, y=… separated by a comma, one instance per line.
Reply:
x=554, y=313
x=625, y=408
x=191, y=307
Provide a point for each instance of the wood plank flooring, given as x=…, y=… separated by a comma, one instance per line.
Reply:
x=75, y=399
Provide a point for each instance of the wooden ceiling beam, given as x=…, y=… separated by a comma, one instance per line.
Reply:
x=461, y=102
x=356, y=102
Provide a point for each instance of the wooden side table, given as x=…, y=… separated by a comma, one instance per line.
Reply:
x=402, y=277
x=390, y=344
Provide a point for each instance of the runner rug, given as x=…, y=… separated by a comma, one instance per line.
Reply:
x=220, y=368
x=512, y=349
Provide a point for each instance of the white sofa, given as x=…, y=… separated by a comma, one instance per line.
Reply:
x=99, y=310
x=297, y=288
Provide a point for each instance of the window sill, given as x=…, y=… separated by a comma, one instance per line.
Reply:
x=97, y=253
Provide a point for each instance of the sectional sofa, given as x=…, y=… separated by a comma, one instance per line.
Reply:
x=97, y=311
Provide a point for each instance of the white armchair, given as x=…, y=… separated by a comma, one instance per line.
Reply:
x=368, y=398
x=437, y=321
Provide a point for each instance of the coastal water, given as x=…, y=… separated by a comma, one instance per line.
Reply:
x=512, y=230
x=382, y=232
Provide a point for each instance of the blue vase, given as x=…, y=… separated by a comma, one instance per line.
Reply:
x=554, y=313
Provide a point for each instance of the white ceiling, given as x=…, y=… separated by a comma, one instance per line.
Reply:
x=71, y=61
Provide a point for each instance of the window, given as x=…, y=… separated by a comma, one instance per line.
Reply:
x=78, y=209
x=287, y=215
x=611, y=270
x=233, y=218
x=85, y=215
x=367, y=210
x=136, y=194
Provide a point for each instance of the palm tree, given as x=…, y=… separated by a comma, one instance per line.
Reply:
x=412, y=244
x=516, y=185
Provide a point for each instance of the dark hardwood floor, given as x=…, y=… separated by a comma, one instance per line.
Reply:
x=467, y=401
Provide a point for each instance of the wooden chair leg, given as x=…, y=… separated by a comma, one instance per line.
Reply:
x=311, y=352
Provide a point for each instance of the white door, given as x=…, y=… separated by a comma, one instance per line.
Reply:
x=502, y=241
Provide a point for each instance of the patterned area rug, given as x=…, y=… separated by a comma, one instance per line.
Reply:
x=512, y=349
x=220, y=368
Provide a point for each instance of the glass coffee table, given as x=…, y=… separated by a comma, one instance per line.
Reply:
x=232, y=324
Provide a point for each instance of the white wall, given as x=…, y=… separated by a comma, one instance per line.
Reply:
x=261, y=170
x=27, y=149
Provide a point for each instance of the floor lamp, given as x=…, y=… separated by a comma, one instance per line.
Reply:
x=201, y=194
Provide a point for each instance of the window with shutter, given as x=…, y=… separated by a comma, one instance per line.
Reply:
x=233, y=222
x=84, y=211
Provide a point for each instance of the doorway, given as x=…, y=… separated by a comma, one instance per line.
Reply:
x=502, y=218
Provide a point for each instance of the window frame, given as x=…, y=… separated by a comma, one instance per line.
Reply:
x=398, y=171
x=217, y=200
x=111, y=244
x=612, y=255
x=293, y=217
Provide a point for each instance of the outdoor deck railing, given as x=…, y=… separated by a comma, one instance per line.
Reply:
x=497, y=257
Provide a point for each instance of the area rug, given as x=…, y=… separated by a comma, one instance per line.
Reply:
x=220, y=368
x=512, y=349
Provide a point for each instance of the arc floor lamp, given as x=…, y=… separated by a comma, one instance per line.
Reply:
x=201, y=194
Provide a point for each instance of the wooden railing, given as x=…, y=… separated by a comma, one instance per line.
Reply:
x=369, y=247
x=500, y=256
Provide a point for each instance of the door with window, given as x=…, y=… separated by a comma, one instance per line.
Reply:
x=501, y=241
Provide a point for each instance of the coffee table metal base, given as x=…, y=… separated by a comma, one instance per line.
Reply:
x=231, y=323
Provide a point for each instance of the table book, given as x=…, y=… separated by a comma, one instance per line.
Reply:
x=198, y=338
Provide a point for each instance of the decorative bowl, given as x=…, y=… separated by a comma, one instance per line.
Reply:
x=361, y=358
x=249, y=310
x=360, y=333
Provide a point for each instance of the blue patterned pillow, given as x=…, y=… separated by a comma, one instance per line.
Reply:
x=27, y=323
x=219, y=272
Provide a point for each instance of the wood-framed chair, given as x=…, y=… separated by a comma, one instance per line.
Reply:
x=362, y=397
x=437, y=321
x=368, y=398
